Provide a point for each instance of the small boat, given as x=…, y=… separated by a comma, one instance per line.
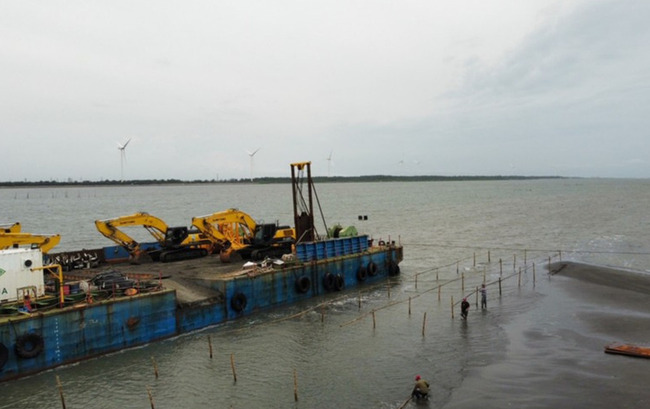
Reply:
x=627, y=349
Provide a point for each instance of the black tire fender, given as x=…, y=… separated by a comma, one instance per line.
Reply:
x=29, y=345
x=238, y=302
x=339, y=282
x=4, y=355
x=372, y=269
x=302, y=284
x=362, y=273
x=329, y=281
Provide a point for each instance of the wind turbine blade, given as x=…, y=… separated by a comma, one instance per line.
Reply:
x=126, y=143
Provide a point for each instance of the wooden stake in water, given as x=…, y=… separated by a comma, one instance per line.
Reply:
x=462, y=282
x=295, y=386
x=452, y=307
x=489, y=259
x=374, y=320
x=60, y=388
x=232, y=366
x=210, y=345
x=500, y=267
x=409, y=305
x=424, y=323
x=474, y=265
x=416, y=281
x=477, y=297
x=439, y=287
x=153, y=406
x=533, y=274
x=519, y=281
x=155, y=367
x=499, y=286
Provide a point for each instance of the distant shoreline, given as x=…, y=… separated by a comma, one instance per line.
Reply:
x=270, y=180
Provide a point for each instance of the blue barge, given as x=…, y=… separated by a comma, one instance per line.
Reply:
x=31, y=342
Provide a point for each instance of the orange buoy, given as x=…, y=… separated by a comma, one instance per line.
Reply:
x=130, y=291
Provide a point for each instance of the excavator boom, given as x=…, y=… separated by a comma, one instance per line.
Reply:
x=236, y=230
x=176, y=243
x=43, y=241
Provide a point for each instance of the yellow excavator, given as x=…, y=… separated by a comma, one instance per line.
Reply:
x=175, y=243
x=45, y=242
x=234, y=230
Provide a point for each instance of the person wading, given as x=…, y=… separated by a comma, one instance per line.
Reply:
x=464, y=307
x=421, y=389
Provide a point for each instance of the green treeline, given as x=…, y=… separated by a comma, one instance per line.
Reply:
x=269, y=180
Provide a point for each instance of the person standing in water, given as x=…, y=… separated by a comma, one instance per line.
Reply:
x=464, y=307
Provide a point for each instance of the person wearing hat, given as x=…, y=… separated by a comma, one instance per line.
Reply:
x=421, y=388
x=464, y=307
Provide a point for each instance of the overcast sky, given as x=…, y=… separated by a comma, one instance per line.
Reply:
x=431, y=87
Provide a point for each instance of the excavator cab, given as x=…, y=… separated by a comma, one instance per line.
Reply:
x=174, y=236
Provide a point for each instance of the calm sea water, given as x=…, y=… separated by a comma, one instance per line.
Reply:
x=333, y=353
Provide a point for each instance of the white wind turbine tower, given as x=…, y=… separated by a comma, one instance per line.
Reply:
x=251, y=154
x=329, y=162
x=122, y=148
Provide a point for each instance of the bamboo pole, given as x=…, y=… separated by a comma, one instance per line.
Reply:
x=409, y=305
x=60, y=388
x=489, y=258
x=514, y=262
x=210, y=345
x=462, y=282
x=359, y=299
x=500, y=267
x=452, y=307
x=533, y=274
x=519, y=281
x=232, y=367
x=477, y=297
x=403, y=405
x=457, y=268
x=374, y=320
x=295, y=386
x=153, y=406
x=155, y=367
x=474, y=265
x=424, y=323
x=439, y=288
x=416, y=280
x=525, y=257
x=499, y=286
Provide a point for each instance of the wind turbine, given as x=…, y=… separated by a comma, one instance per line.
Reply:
x=251, y=154
x=122, y=149
x=329, y=162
